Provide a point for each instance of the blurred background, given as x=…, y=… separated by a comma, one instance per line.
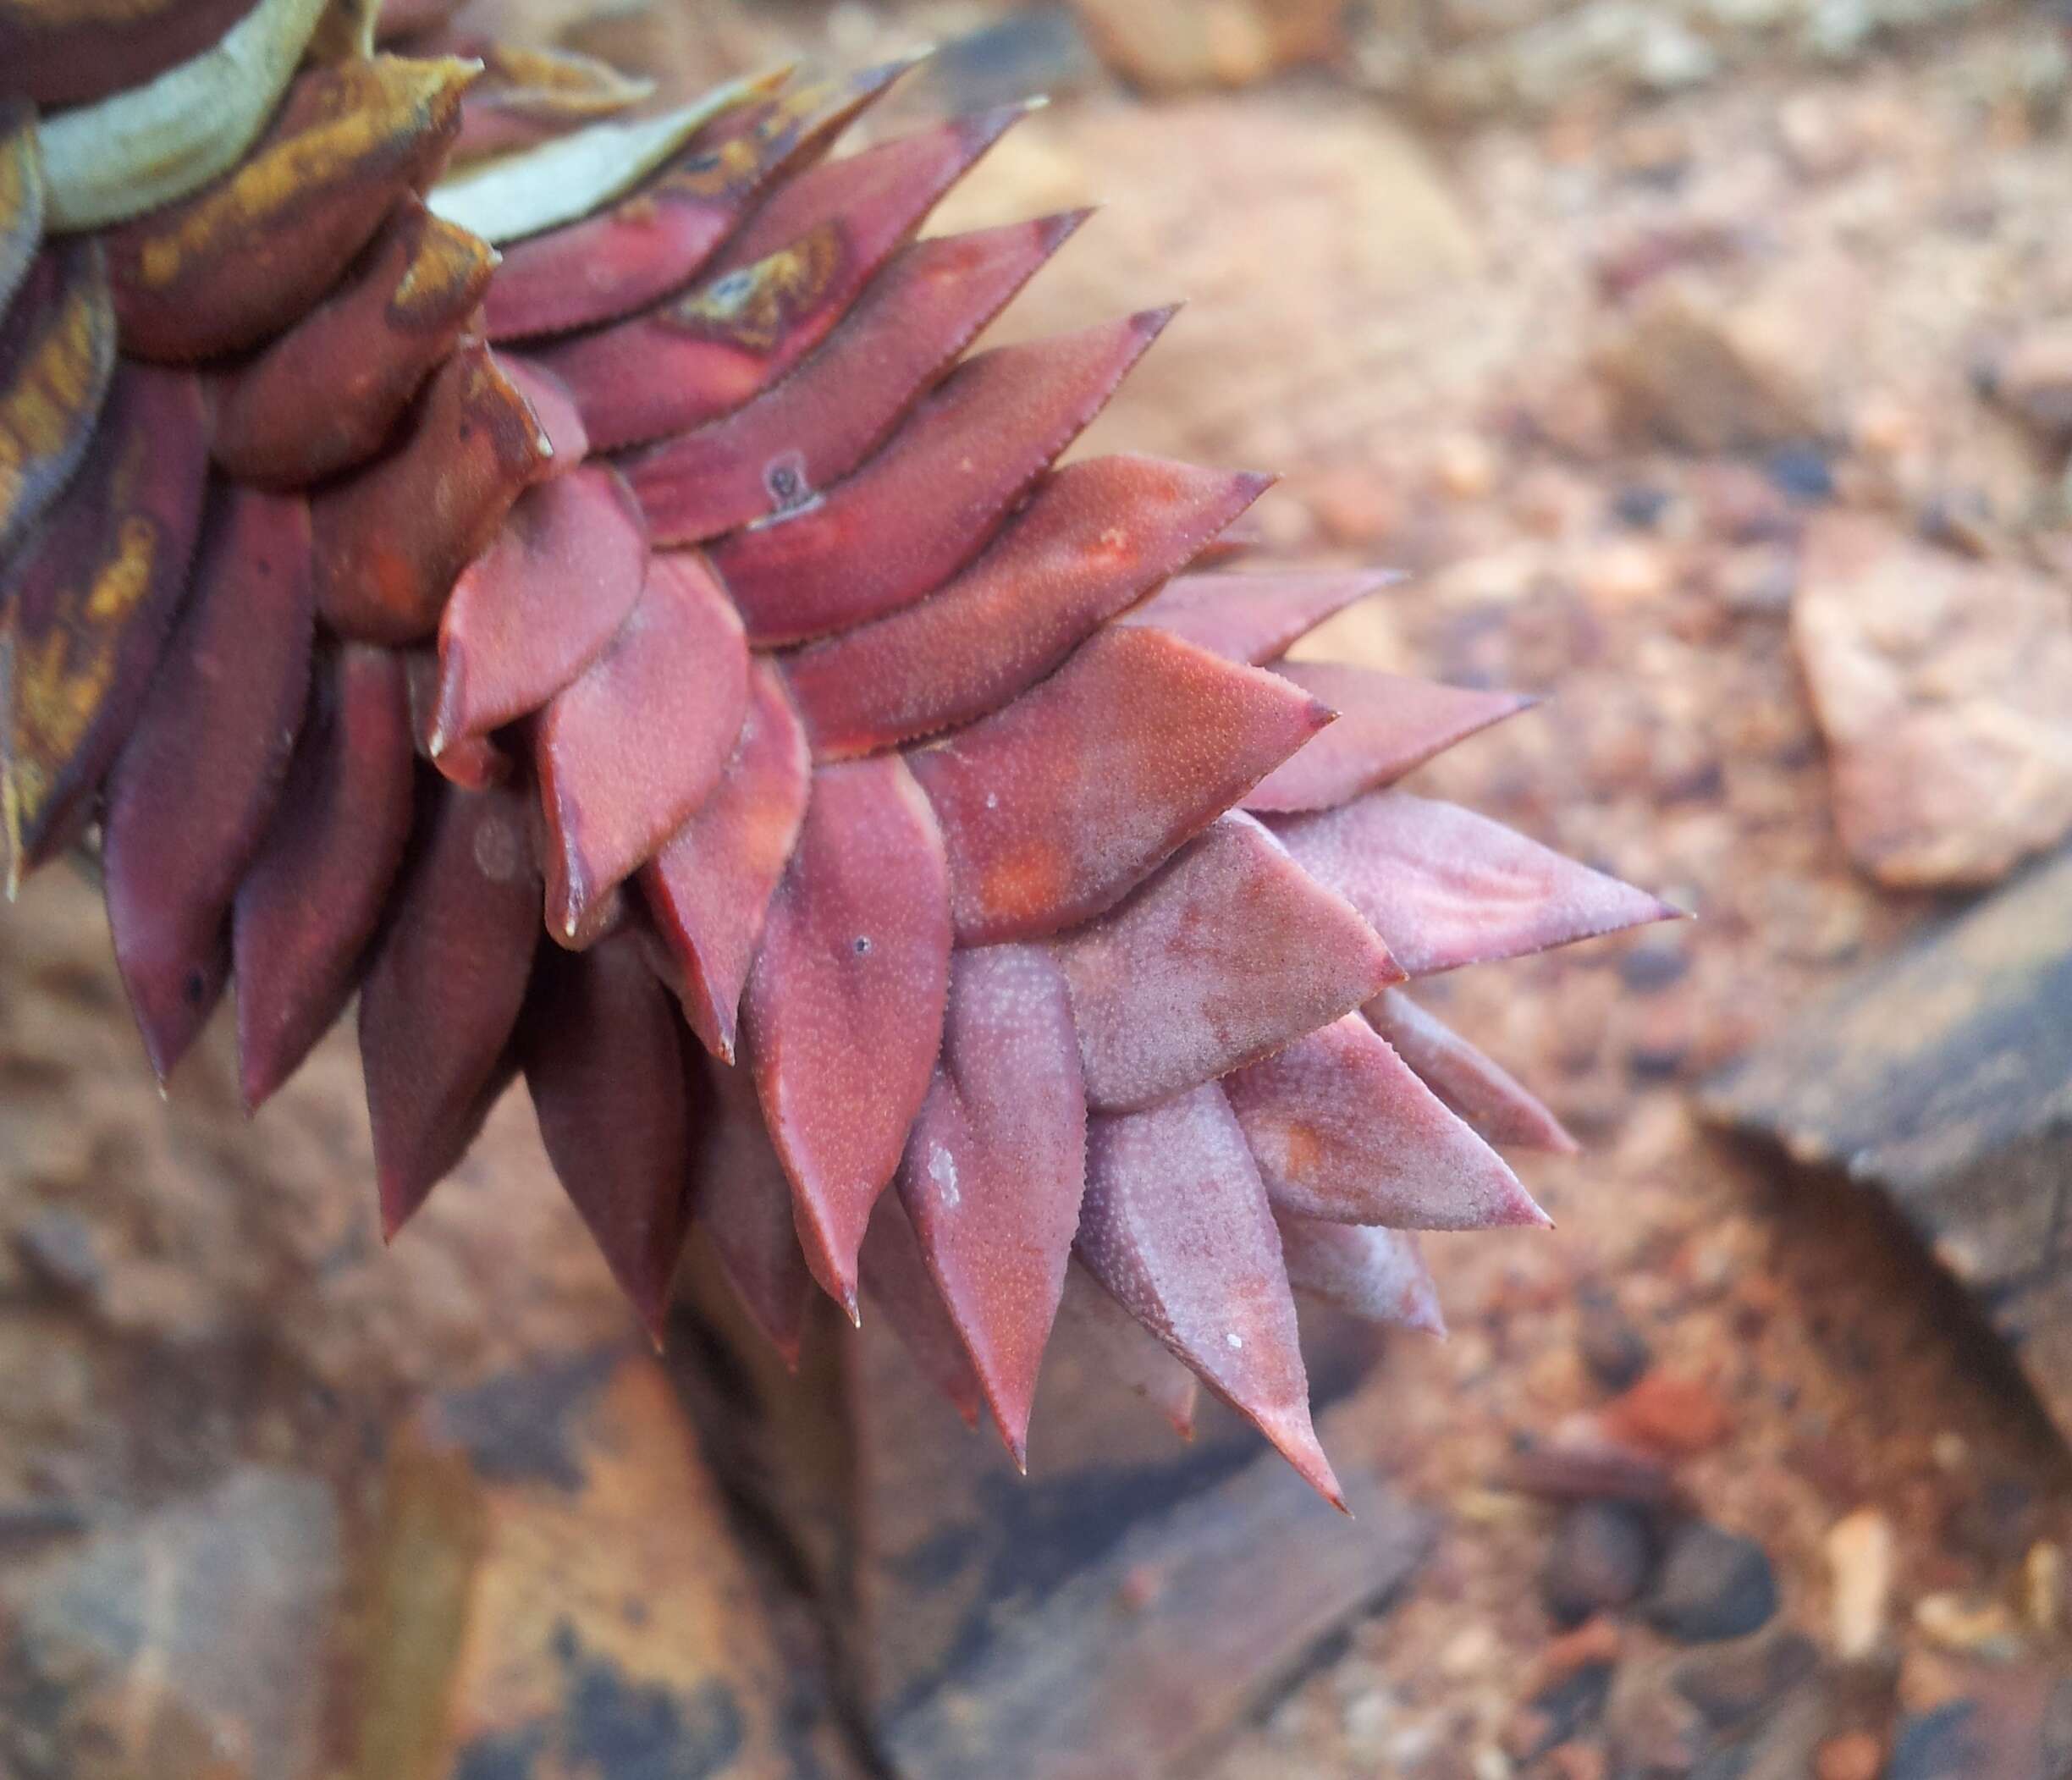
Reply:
x=1709, y=364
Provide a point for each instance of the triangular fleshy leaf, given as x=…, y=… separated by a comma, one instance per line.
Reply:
x=1229, y=952
x=604, y=1062
x=1254, y=616
x=896, y=1280
x=391, y=539
x=780, y=450
x=74, y=55
x=1054, y=808
x=920, y=509
x=473, y=762
x=652, y=242
x=1343, y=1131
x=56, y=356
x=995, y=1167
x=191, y=796
x=90, y=601
x=526, y=94
x=1378, y=1275
x=1445, y=887
x=1130, y=1353
x=246, y=256
x=772, y=295
x=1094, y=536
x=307, y=906
x=638, y=742
x=541, y=604
x=740, y=1194
x=444, y=985
x=843, y=1010
x=553, y=406
x=1477, y=1088
x=1386, y=725
x=1176, y=1225
x=328, y=393
x=708, y=889
x=21, y=194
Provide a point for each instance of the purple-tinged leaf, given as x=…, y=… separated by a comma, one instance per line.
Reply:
x=308, y=905
x=541, y=604
x=843, y=1010
x=70, y=55
x=638, y=742
x=1386, y=725
x=328, y=394
x=1343, y=1131
x=1094, y=536
x=553, y=406
x=391, y=539
x=710, y=887
x=192, y=791
x=1445, y=887
x=21, y=197
x=1378, y=1275
x=56, y=356
x=920, y=509
x=472, y=762
x=1254, y=616
x=896, y=1280
x=1176, y=1225
x=1474, y=1086
x=783, y=449
x=1054, y=808
x=525, y=94
x=1131, y=1353
x=774, y=293
x=1228, y=952
x=742, y=1197
x=649, y=244
x=604, y=1062
x=995, y=1167
x=254, y=250
x=88, y=602
x=444, y=985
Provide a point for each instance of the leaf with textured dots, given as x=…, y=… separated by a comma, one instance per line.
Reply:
x=1253, y=615
x=1473, y=1085
x=740, y=1194
x=1378, y=1276
x=896, y=1280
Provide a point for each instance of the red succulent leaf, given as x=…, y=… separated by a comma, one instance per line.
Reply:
x=785, y=281
x=328, y=393
x=473, y=762
x=1054, y=808
x=391, y=539
x=995, y=1167
x=920, y=509
x=742, y=1197
x=1094, y=536
x=709, y=888
x=526, y=94
x=554, y=408
x=56, y=356
x=604, y=1059
x=190, y=798
x=1176, y=1225
x=68, y=55
x=1386, y=725
x=21, y=194
x=1253, y=617
x=843, y=1010
x=1476, y=1088
x=1131, y=1353
x=1378, y=1276
x=88, y=603
x=444, y=987
x=629, y=750
x=1445, y=887
x=1229, y=952
x=541, y=604
x=308, y=904
x=253, y=251
x=1342, y=1130
x=638, y=250
x=779, y=450
x=896, y=1278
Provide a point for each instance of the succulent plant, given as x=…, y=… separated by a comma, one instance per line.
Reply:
x=591, y=608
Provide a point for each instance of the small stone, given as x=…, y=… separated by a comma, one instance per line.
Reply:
x=1596, y=1640
x=2032, y=378
x=1860, y=1568
x=1625, y=573
x=1677, y=1417
x=1802, y=472
x=1734, y=1682
x=1464, y=466
x=1601, y=1556
x=1650, y=1728
x=1712, y=1585
x=2043, y=1585
x=1942, y=1745
x=1615, y=1352
x=1853, y=1756
x=1641, y=505
x=58, y=1247
x=1954, y=1622
x=1594, y=1470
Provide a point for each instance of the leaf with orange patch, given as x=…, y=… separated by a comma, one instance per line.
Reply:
x=56, y=356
